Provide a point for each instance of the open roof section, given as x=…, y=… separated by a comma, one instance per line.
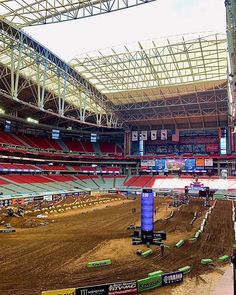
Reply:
x=37, y=12
x=157, y=69
x=178, y=82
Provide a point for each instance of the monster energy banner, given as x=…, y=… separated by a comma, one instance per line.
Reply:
x=93, y=290
x=129, y=287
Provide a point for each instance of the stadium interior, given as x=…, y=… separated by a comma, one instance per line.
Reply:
x=106, y=126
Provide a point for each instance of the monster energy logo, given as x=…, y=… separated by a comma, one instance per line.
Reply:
x=97, y=290
x=84, y=292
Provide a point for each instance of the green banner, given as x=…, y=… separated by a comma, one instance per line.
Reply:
x=99, y=263
x=149, y=283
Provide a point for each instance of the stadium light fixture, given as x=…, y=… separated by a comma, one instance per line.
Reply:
x=32, y=120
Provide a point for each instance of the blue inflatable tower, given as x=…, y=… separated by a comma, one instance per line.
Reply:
x=147, y=215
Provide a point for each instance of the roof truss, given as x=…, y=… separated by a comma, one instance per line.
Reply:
x=37, y=12
x=184, y=62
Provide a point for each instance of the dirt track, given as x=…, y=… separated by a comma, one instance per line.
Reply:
x=55, y=256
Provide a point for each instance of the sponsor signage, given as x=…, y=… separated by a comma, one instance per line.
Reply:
x=212, y=147
x=163, y=134
x=149, y=283
x=143, y=135
x=4, y=203
x=159, y=235
x=134, y=135
x=146, y=163
x=93, y=290
x=153, y=134
x=172, y=277
x=200, y=163
x=129, y=287
x=38, y=198
x=190, y=164
x=209, y=162
x=160, y=164
x=70, y=291
x=175, y=164
x=7, y=231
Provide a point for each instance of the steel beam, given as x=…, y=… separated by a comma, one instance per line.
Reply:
x=42, y=12
x=28, y=59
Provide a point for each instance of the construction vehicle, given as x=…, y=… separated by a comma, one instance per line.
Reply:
x=15, y=211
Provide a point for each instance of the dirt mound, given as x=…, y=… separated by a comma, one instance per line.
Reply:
x=23, y=222
x=180, y=222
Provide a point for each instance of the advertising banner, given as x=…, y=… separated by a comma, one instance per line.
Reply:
x=172, y=277
x=153, y=134
x=163, y=134
x=47, y=198
x=161, y=164
x=149, y=283
x=148, y=163
x=38, y=198
x=147, y=204
x=200, y=163
x=129, y=287
x=190, y=164
x=70, y=291
x=134, y=135
x=144, y=135
x=18, y=201
x=175, y=135
x=212, y=147
x=93, y=290
x=175, y=164
x=209, y=162
x=4, y=203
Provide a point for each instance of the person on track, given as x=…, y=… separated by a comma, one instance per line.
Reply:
x=162, y=247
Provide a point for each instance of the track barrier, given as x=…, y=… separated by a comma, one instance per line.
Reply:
x=147, y=253
x=171, y=215
x=155, y=273
x=206, y=261
x=223, y=258
x=7, y=231
x=197, y=234
x=179, y=244
x=233, y=219
x=99, y=263
x=192, y=240
x=194, y=218
x=185, y=269
x=149, y=283
x=71, y=291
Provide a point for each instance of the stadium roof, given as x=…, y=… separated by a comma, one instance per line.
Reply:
x=158, y=68
x=46, y=77
x=179, y=81
x=176, y=82
x=36, y=12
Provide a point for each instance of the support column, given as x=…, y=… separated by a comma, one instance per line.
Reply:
x=141, y=146
x=127, y=141
x=218, y=167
